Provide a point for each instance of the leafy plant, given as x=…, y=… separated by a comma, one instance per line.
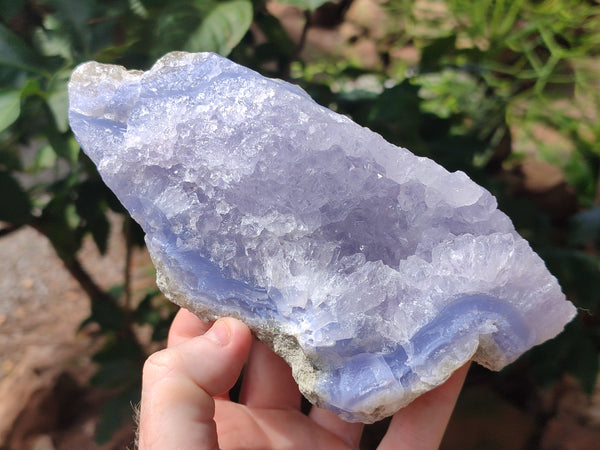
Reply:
x=49, y=185
x=488, y=76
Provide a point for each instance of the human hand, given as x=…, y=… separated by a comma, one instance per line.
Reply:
x=185, y=402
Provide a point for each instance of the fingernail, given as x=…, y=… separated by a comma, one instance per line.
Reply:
x=219, y=333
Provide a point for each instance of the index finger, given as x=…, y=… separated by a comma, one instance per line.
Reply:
x=423, y=422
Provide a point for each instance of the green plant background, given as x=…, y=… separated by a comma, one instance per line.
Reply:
x=484, y=79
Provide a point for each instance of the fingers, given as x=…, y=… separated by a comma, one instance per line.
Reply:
x=268, y=381
x=348, y=432
x=186, y=326
x=178, y=385
x=421, y=424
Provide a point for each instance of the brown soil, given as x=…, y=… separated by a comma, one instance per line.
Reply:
x=44, y=360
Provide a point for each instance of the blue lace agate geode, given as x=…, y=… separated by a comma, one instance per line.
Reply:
x=373, y=272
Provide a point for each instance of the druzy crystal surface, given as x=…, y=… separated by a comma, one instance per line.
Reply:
x=373, y=272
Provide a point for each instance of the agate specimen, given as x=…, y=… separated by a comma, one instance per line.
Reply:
x=374, y=273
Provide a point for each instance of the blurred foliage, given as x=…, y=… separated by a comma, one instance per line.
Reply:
x=490, y=80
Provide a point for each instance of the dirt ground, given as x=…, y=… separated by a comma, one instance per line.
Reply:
x=44, y=361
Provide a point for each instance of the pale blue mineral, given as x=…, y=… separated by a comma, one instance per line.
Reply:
x=373, y=272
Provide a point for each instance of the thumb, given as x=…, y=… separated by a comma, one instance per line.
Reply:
x=179, y=383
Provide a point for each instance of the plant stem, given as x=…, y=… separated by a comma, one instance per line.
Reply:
x=285, y=71
x=302, y=41
x=597, y=200
x=127, y=265
x=77, y=271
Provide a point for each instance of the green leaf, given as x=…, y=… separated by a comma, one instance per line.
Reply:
x=137, y=236
x=58, y=100
x=72, y=219
x=75, y=14
x=432, y=55
x=64, y=145
x=100, y=230
x=92, y=199
x=578, y=274
x=277, y=37
x=51, y=39
x=10, y=108
x=116, y=291
x=454, y=152
x=15, y=205
x=156, y=312
x=548, y=361
x=304, y=5
x=586, y=226
x=119, y=347
x=161, y=329
x=107, y=314
x=574, y=351
x=173, y=27
x=45, y=158
x=10, y=160
x=15, y=53
x=30, y=88
x=53, y=225
x=146, y=313
x=116, y=412
x=73, y=149
x=115, y=373
x=396, y=115
x=9, y=9
x=223, y=28
x=138, y=8
x=583, y=362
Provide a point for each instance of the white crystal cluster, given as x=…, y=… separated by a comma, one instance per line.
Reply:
x=373, y=272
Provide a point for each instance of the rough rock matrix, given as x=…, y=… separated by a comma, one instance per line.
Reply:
x=373, y=272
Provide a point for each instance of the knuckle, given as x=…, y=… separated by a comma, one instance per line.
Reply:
x=162, y=363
